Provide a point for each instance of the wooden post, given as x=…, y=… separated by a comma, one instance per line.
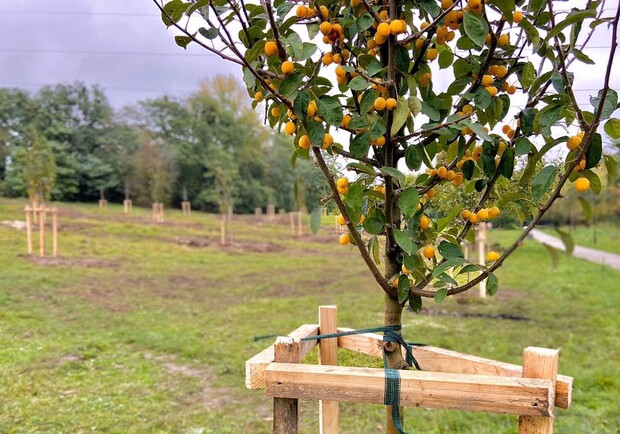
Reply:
x=481, y=236
x=299, y=224
x=186, y=206
x=127, y=206
x=286, y=410
x=258, y=212
x=328, y=355
x=539, y=363
x=41, y=211
x=161, y=212
x=28, y=211
x=223, y=230
x=54, y=212
x=292, y=220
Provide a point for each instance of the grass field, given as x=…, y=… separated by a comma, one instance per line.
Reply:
x=604, y=236
x=143, y=328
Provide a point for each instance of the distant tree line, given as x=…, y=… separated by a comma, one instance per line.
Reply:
x=65, y=142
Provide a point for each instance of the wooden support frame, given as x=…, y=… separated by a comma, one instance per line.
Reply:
x=448, y=380
x=186, y=208
x=158, y=212
x=39, y=214
x=103, y=204
x=127, y=206
x=296, y=220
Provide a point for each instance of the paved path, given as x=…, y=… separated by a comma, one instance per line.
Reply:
x=610, y=259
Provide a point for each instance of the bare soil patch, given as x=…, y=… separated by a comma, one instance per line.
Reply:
x=233, y=247
x=60, y=261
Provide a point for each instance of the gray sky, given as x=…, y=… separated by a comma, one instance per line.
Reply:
x=52, y=41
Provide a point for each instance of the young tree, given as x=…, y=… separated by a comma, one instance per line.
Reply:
x=406, y=81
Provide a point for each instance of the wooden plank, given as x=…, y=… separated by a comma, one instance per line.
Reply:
x=539, y=363
x=441, y=360
x=286, y=410
x=328, y=355
x=255, y=366
x=28, y=211
x=505, y=395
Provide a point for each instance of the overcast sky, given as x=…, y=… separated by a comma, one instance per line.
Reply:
x=51, y=41
x=123, y=46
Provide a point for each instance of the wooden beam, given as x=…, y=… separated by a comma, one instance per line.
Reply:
x=505, y=395
x=539, y=363
x=328, y=355
x=439, y=360
x=255, y=366
x=286, y=410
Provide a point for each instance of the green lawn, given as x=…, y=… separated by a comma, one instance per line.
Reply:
x=144, y=328
x=604, y=236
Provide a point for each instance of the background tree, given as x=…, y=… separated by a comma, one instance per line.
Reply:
x=370, y=69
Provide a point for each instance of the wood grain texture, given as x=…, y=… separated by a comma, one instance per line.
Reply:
x=440, y=360
x=506, y=395
x=328, y=355
x=286, y=410
x=539, y=363
x=255, y=366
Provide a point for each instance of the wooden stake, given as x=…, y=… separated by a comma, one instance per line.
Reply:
x=28, y=211
x=54, y=231
x=286, y=410
x=481, y=244
x=223, y=230
x=41, y=211
x=539, y=363
x=127, y=206
x=258, y=212
x=299, y=224
x=328, y=355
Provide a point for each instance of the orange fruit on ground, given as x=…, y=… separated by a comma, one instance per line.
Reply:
x=429, y=252
x=271, y=48
x=582, y=184
x=493, y=256
x=344, y=239
x=287, y=67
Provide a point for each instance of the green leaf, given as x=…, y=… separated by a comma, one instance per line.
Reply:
x=594, y=151
x=507, y=163
x=510, y=197
x=528, y=74
x=547, y=117
x=542, y=182
x=301, y=104
x=183, y=41
x=443, y=222
x=415, y=105
x=210, y=33
x=403, y=240
x=291, y=83
x=373, y=225
x=587, y=209
x=573, y=17
x=612, y=169
x=449, y=251
x=479, y=131
x=440, y=295
x=476, y=28
x=430, y=111
x=567, y=239
x=408, y=201
x=358, y=84
x=612, y=128
x=400, y=115
x=445, y=59
x=173, y=11
x=610, y=104
x=553, y=255
x=507, y=7
x=595, y=181
x=355, y=197
x=307, y=51
x=394, y=173
x=413, y=157
x=373, y=248
x=315, y=219
x=360, y=144
x=492, y=284
x=470, y=268
x=523, y=146
x=365, y=22
x=330, y=109
x=403, y=289
x=415, y=303
x=316, y=133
